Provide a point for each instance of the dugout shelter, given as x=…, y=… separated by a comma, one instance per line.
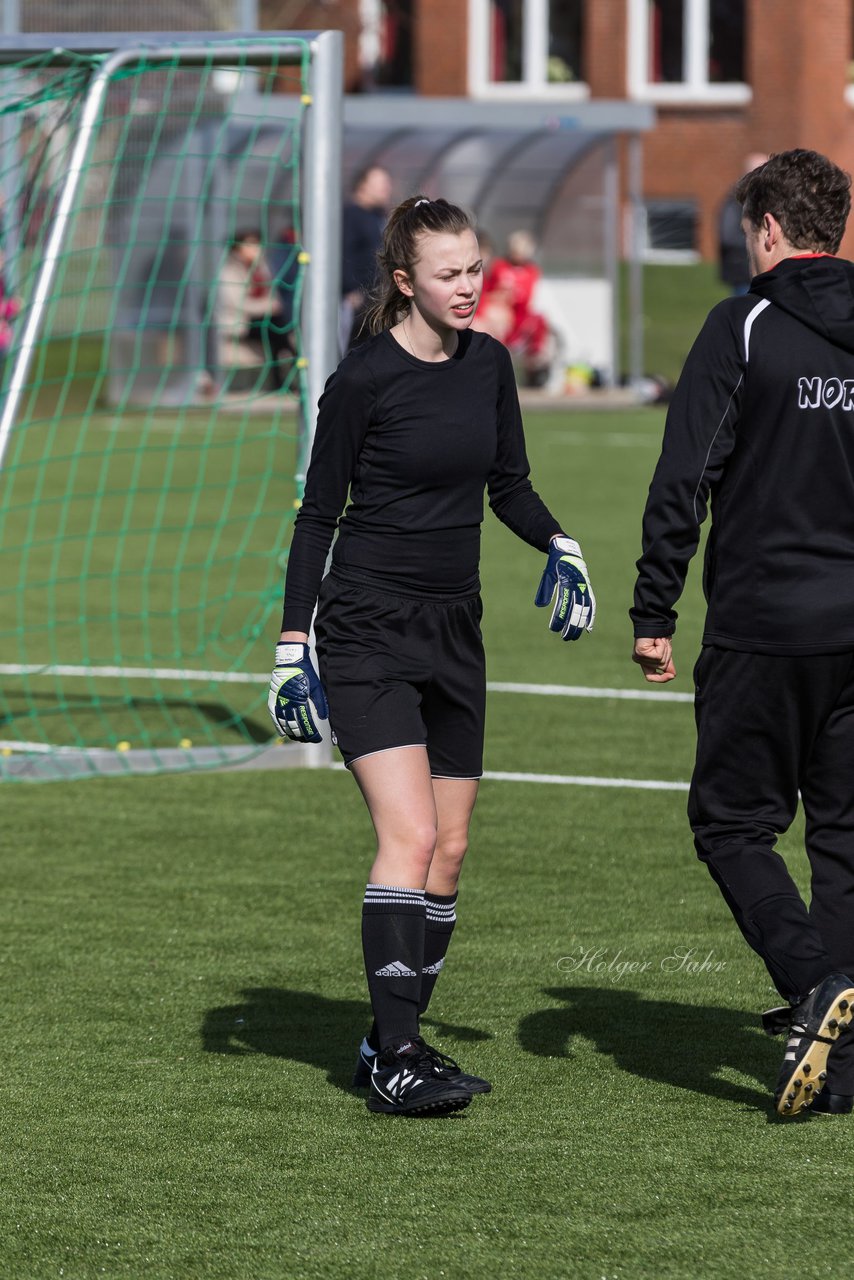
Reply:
x=551, y=169
x=548, y=169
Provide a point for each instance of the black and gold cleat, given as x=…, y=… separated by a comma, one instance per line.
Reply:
x=814, y=1026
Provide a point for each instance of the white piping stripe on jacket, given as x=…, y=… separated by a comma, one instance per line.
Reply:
x=712, y=445
x=748, y=325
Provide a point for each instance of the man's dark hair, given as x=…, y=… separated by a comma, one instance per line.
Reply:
x=808, y=195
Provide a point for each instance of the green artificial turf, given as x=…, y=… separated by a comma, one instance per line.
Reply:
x=183, y=998
x=183, y=995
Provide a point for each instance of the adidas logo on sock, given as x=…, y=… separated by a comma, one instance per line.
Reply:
x=395, y=970
x=434, y=968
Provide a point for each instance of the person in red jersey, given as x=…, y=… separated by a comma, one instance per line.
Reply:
x=507, y=310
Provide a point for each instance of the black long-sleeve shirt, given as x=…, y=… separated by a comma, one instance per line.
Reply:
x=415, y=443
x=762, y=421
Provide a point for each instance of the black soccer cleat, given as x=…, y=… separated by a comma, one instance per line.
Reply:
x=404, y=1083
x=814, y=1026
x=450, y=1070
x=442, y=1065
x=832, y=1104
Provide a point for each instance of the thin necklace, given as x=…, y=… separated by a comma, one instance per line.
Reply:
x=408, y=339
x=411, y=348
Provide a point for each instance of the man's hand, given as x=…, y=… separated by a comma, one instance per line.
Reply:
x=565, y=579
x=654, y=656
x=294, y=685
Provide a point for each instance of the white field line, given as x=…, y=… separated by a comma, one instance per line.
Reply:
x=248, y=677
x=133, y=673
x=11, y=747
x=575, y=780
x=578, y=780
x=583, y=691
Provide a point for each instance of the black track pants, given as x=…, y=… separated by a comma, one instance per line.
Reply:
x=768, y=727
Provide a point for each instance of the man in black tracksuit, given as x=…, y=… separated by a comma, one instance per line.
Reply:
x=762, y=422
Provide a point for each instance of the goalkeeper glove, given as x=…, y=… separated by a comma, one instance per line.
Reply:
x=293, y=685
x=565, y=578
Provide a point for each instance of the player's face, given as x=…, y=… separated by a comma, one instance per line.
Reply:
x=448, y=279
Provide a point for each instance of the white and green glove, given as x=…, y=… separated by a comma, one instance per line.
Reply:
x=294, y=686
x=565, y=579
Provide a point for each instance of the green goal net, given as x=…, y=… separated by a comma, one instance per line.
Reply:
x=154, y=400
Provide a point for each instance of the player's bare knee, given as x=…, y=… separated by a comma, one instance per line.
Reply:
x=449, y=854
x=424, y=840
x=415, y=845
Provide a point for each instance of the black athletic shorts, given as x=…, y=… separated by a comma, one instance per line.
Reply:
x=403, y=671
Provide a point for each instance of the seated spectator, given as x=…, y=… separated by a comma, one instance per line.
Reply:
x=505, y=309
x=250, y=310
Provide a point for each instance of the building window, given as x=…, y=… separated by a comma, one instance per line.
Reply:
x=687, y=51
x=665, y=41
x=394, y=68
x=505, y=41
x=385, y=44
x=670, y=231
x=526, y=48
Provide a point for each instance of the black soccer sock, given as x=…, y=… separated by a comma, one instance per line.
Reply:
x=440, y=918
x=393, y=946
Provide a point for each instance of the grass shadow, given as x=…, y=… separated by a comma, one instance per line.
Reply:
x=302, y=1026
x=678, y=1044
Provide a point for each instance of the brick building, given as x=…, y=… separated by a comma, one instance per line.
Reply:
x=727, y=77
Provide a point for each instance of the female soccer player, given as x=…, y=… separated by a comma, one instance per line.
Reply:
x=414, y=424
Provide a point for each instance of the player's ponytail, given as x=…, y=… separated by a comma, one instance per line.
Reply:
x=411, y=219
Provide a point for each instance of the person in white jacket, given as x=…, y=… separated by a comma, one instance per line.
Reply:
x=246, y=297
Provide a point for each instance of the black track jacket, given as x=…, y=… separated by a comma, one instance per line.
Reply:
x=762, y=421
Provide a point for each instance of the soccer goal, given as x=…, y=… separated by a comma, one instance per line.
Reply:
x=168, y=317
